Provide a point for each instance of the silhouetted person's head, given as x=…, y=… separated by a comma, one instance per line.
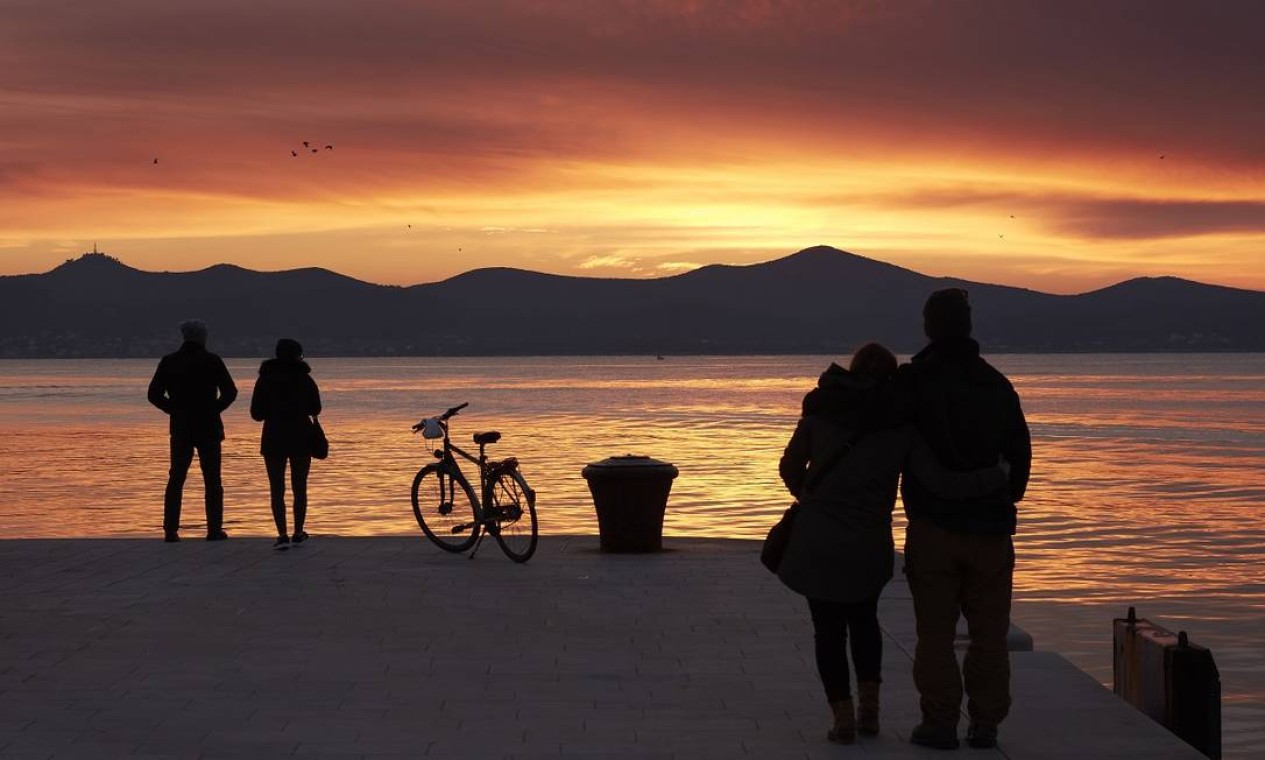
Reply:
x=947, y=314
x=873, y=361
x=193, y=331
x=289, y=349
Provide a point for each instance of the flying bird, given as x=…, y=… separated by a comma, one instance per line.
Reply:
x=294, y=153
x=155, y=160
x=305, y=144
x=1161, y=156
x=329, y=147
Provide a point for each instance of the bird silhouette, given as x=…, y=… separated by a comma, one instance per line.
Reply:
x=1001, y=236
x=329, y=147
x=294, y=153
x=1012, y=216
x=314, y=150
x=305, y=144
x=1161, y=156
x=155, y=160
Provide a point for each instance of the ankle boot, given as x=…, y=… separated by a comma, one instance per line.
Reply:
x=844, y=731
x=867, y=707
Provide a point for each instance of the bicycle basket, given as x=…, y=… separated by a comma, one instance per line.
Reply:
x=432, y=428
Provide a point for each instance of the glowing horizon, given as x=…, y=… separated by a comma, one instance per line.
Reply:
x=638, y=139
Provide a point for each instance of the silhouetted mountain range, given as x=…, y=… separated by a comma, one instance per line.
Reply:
x=819, y=300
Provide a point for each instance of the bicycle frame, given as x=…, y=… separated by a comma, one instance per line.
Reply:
x=453, y=470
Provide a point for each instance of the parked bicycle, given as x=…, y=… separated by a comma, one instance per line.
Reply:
x=449, y=512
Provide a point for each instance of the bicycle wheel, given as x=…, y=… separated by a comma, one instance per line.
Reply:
x=442, y=502
x=514, y=511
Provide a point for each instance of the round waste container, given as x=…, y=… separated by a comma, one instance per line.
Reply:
x=630, y=494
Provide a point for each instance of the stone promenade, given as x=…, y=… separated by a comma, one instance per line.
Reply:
x=389, y=648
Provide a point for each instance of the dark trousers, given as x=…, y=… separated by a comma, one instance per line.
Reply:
x=969, y=574
x=182, y=448
x=300, y=464
x=832, y=624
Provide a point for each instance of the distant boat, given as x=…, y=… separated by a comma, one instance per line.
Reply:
x=659, y=357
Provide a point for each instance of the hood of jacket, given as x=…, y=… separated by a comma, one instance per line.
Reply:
x=855, y=402
x=951, y=349
x=284, y=367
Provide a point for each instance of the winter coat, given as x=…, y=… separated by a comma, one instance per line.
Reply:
x=285, y=399
x=841, y=545
x=969, y=414
x=193, y=387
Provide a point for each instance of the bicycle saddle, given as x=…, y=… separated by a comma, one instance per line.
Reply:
x=489, y=437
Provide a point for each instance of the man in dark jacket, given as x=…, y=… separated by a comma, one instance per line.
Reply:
x=959, y=557
x=193, y=386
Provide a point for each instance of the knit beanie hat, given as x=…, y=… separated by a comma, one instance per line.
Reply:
x=947, y=314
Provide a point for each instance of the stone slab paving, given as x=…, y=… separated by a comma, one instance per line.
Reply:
x=389, y=648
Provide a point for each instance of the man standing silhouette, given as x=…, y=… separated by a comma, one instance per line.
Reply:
x=959, y=557
x=193, y=386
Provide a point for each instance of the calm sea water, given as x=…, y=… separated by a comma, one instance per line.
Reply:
x=1148, y=484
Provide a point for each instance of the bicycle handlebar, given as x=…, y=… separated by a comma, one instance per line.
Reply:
x=443, y=417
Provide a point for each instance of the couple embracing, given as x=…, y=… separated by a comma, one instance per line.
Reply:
x=950, y=429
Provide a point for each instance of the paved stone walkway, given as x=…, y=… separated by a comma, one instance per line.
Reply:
x=389, y=648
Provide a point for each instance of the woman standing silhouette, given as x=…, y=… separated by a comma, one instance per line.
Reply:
x=285, y=400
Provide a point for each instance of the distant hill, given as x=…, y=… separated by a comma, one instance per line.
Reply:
x=820, y=299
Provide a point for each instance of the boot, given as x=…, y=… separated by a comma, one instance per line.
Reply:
x=935, y=736
x=844, y=731
x=981, y=735
x=867, y=707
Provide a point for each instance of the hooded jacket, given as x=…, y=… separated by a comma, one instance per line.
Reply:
x=841, y=545
x=285, y=399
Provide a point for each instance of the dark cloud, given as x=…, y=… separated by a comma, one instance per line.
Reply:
x=1085, y=216
x=1135, y=219
x=1130, y=75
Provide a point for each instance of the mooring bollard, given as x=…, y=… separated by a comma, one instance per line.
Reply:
x=1170, y=679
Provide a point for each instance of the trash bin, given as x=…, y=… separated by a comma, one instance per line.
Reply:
x=630, y=494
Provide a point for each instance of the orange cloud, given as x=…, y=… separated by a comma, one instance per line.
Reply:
x=647, y=135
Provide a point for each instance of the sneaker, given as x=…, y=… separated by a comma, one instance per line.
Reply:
x=281, y=544
x=171, y=538
x=981, y=735
x=218, y=535
x=299, y=537
x=935, y=737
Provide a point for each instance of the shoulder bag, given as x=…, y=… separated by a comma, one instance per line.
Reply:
x=318, y=444
x=779, y=536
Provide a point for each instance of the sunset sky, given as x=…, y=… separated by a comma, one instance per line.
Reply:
x=1060, y=145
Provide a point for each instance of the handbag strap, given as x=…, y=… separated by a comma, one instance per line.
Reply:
x=811, y=483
